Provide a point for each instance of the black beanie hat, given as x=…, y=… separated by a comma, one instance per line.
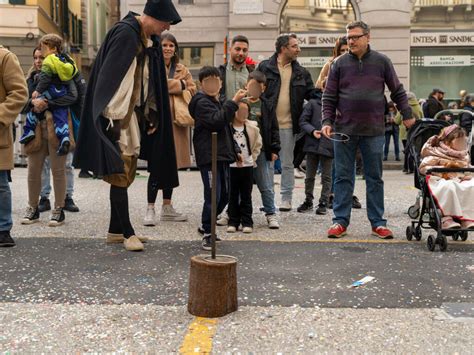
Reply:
x=162, y=10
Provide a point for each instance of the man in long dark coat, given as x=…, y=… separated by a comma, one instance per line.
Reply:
x=126, y=101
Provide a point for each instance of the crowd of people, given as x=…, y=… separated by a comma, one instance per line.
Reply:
x=140, y=103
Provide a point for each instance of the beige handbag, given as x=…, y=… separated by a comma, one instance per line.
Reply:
x=182, y=117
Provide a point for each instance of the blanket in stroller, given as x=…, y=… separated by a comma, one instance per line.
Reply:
x=454, y=196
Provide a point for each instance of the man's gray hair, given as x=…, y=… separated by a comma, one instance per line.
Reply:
x=358, y=24
x=411, y=95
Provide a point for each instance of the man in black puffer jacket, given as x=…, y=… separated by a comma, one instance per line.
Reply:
x=288, y=85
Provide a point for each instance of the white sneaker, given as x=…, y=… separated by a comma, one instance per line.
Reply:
x=299, y=174
x=272, y=221
x=223, y=220
x=247, y=230
x=168, y=213
x=149, y=219
x=231, y=229
x=285, y=206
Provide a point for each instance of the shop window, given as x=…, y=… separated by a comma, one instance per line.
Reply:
x=196, y=57
x=449, y=68
x=17, y=2
x=316, y=15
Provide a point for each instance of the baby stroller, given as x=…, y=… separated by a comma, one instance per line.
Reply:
x=429, y=217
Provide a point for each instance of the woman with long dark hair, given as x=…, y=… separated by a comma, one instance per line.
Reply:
x=340, y=48
x=181, y=88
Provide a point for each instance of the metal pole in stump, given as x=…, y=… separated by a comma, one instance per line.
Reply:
x=213, y=194
x=213, y=279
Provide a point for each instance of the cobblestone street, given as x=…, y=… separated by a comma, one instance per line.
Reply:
x=64, y=289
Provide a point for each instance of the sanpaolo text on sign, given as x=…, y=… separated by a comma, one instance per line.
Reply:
x=318, y=40
x=442, y=39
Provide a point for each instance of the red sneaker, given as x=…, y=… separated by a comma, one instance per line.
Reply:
x=337, y=231
x=382, y=232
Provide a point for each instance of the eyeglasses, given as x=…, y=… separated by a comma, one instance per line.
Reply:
x=356, y=38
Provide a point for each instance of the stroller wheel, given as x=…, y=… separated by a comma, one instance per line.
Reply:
x=463, y=236
x=443, y=242
x=430, y=243
x=455, y=236
x=418, y=233
x=413, y=212
x=409, y=233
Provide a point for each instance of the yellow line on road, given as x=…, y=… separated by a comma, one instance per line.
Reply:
x=198, y=339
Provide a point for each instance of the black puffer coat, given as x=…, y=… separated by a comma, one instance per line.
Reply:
x=310, y=121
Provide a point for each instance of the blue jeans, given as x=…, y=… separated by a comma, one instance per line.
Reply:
x=46, y=177
x=344, y=158
x=5, y=203
x=263, y=175
x=222, y=192
x=287, y=141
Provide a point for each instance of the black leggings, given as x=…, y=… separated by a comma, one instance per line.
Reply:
x=119, y=216
x=153, y=190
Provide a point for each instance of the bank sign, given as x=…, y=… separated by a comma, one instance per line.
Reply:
x=442, y=61
x=318, y=40
x=442, y=39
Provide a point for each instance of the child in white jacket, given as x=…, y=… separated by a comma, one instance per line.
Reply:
x=247, y=137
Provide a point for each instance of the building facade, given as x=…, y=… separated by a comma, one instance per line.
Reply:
x=430, y=42
x=23, y=22
x=99, y=16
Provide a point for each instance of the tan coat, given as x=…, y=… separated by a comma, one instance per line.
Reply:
x=323, y=75
x=255, y=139
x=13, y=96
x=181, y=135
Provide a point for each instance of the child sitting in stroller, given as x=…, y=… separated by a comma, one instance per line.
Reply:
x=453, y=191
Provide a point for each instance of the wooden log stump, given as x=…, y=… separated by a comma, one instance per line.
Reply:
x=212, y=286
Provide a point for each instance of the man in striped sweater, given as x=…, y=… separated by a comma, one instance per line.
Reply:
x=354, y=104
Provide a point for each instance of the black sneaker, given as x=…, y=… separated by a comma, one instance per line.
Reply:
x=321, y=210
x=57, y=217
x=84, y=174
x=206, y=242
x=69, y=205
x=31, y=215
x=356, y=203
x=306, y=206
x=202, y=232
x=44, y=204
x=6, y=240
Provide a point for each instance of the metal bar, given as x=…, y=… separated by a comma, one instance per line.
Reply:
x=449, y=170
x=213, y=195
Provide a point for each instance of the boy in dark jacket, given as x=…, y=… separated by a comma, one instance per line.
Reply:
x=319, y=150
x=260, y=112
x=212, y=116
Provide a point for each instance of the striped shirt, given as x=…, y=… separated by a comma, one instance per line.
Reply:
x=354, y=101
